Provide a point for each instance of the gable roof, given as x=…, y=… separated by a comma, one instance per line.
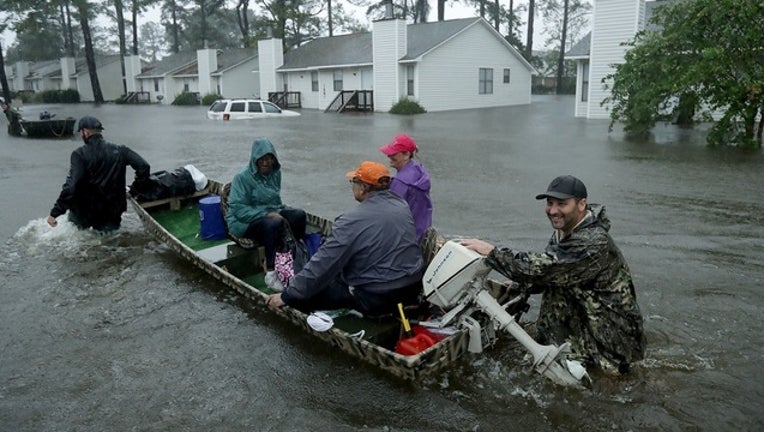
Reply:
x=357, y=48
x=168, y=64
x=45, y=68
x=424, y=37
x=581, y=49
x=350, y=49
x=233, y=57
x=81, y=64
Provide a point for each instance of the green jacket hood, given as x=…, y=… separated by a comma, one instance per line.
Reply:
x=261, y=147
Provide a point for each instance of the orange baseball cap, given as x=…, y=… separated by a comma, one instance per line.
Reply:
x=369, y=172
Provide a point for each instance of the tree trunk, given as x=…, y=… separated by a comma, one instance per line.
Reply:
x=329, y=11
x=241, y=13
x=89, y=54
x=175, y=35
x=122, y=43
x=496, y=15
x=203, y=9
x=529, y=37
x=63, y=26
x=136, y=6
x=511, y=17
x=69, y=29
x=3, y=78
x=561, y=57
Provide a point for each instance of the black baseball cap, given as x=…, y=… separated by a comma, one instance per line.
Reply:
x=564, y=187
x=89, y=122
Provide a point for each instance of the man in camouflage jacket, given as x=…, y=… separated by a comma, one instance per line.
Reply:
x=588, y=294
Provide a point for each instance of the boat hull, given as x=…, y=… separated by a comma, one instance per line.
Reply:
x=383, y=357
x=53, y=128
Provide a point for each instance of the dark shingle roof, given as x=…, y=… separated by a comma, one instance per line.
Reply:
x=232, y=57
x=356, y=48
x=582, y=48
x=168, y=64
x=327, y=51
x=426, y=36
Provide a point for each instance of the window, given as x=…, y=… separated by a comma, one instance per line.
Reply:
x=506, y=76
x=585, y=81
x=485, y=81
x=338, y=80
x=156, y=85
x=410, y=80
x=218, y=106
x=271, y=108
x=185, y=87
x=314, y=81
x=254, y=107
x=237, y=107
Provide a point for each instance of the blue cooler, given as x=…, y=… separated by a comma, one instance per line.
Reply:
x=211, y=218
x=313, y=242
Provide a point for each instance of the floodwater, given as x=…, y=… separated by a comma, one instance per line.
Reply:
x=117, y=333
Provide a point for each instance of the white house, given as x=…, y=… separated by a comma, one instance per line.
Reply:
x=68, y=73
x=230, y=73
x=613, y=23
x=109, y=70
x=446, y=65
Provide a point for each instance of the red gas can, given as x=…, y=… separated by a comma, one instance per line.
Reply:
x=416, y=344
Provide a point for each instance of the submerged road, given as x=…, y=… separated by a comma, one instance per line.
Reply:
x=118, y=333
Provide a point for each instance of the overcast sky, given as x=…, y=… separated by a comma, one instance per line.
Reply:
x=453, y=10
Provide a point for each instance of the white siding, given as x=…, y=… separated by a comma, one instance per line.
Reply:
x=614, y=22
x=110, y=79
x=271, y=57
x=132, y=68
x=301, y=82
x=447, y=78
x=389, y=41
x=242, y=81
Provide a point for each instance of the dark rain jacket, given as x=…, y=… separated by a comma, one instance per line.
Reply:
x=14, y=121
x=253, y=195
x=588, y=294
x=95, y=187
x=371, y=248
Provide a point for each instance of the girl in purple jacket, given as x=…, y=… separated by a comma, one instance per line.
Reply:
x=412, y=181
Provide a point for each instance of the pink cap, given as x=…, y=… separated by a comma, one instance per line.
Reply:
x=401, y=143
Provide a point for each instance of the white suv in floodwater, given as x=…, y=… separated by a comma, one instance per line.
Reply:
x=237, y=109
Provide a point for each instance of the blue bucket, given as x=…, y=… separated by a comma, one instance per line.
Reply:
x=313, y=241
x=211, y=219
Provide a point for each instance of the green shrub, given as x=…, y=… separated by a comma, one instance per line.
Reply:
x=209, y=98
x=58, y=96
x=26, y=96
x=34, y=98
x=70, y=96
x=120, y=100
x=186, y=98
x=407, y=106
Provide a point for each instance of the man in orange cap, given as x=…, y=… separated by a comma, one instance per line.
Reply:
x=371, y=262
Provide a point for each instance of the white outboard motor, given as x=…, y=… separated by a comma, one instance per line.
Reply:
x=454, y=282
x=452, y=269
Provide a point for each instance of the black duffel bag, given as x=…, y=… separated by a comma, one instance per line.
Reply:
x=164, y=184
